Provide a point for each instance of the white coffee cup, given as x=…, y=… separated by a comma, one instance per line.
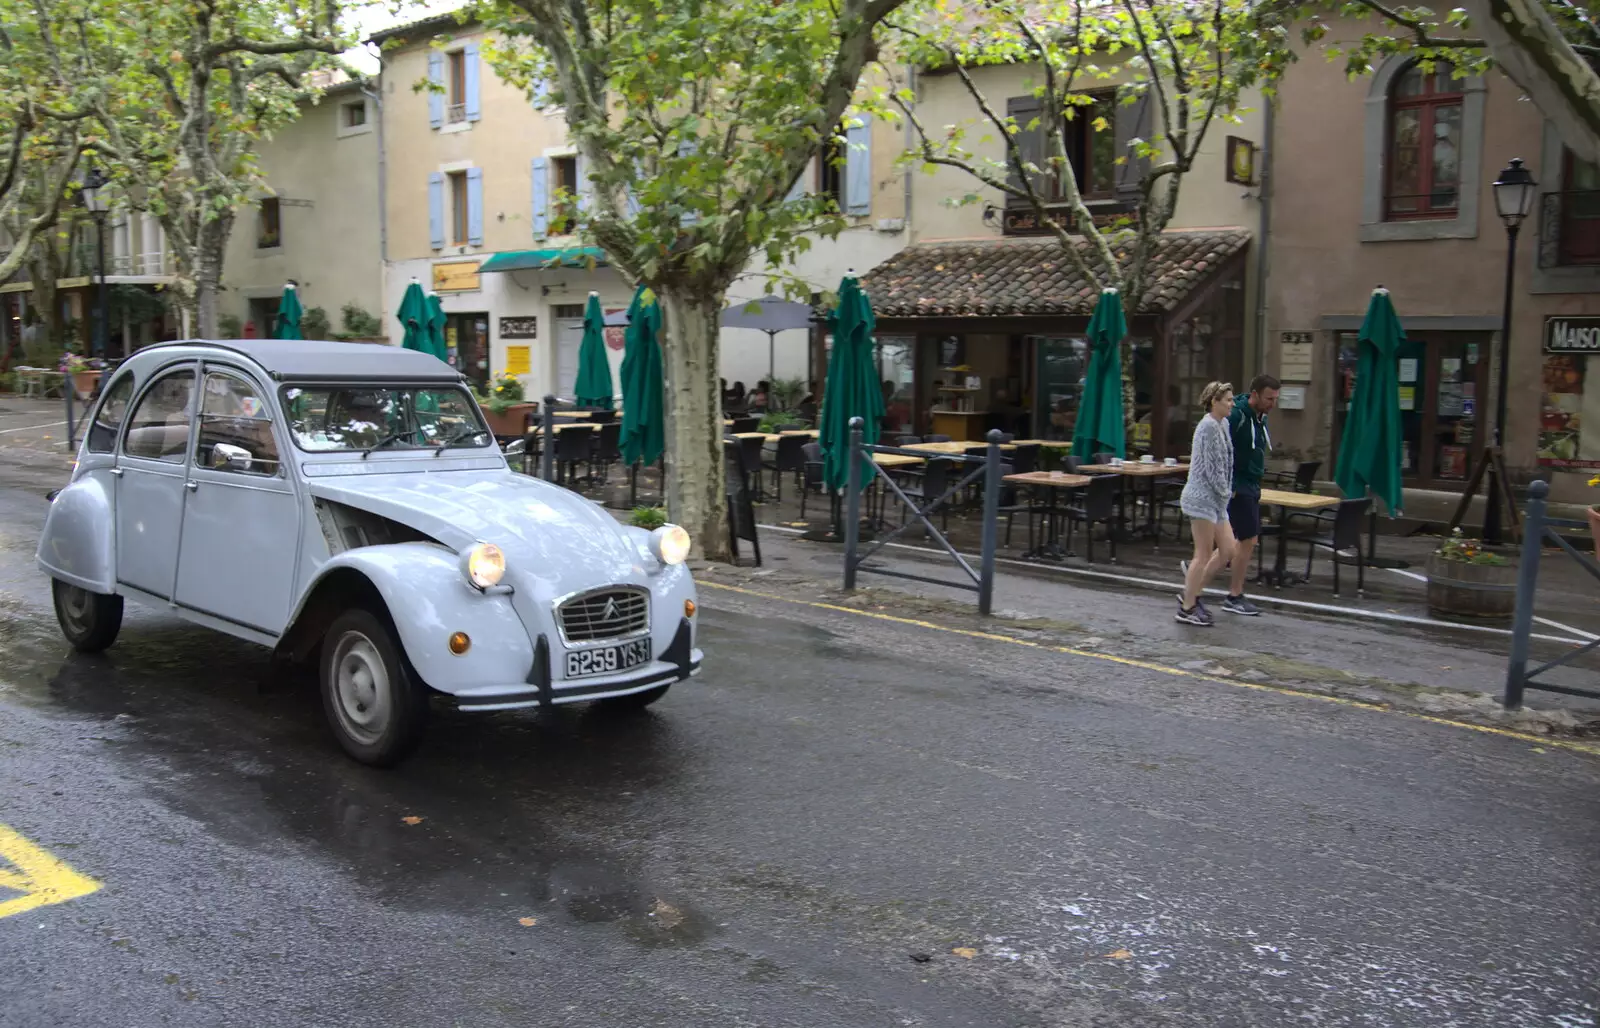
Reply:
x=1116, y=462
x=1147, y=459
x=1171, y=462
x=1058, y=474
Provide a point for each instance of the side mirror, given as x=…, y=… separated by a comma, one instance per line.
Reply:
x=228, y=457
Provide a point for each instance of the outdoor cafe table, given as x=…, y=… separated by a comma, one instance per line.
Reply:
x=1287, y=501
x=956, y=449
x=1132, y=471
x=1052, y=482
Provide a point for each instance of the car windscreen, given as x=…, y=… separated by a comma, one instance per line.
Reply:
x=324, y=419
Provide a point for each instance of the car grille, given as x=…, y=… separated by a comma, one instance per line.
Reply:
x=604, y=614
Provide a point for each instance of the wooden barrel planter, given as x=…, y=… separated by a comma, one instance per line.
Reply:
x=1483, y=591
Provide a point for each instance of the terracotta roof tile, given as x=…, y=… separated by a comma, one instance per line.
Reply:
x=1031, y=276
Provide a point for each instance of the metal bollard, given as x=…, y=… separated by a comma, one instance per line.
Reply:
x=1527, y=583
x=548, y=450
x=852, y=506
x=991, y=522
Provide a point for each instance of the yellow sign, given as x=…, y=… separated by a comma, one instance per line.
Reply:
x=517, y=362
x=458, y=277
x=37, y=878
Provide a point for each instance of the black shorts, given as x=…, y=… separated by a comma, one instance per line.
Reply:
x=1244, y=514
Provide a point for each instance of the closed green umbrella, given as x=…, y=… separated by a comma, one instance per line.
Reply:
x=644, y=425
x=413, y=315
x=435, y=328
x=1369, y=452
x=1099, y=428
x=593, y=388
x=853, y=388
x=289, y=314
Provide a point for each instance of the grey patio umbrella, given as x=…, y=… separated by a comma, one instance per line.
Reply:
x=769, y=314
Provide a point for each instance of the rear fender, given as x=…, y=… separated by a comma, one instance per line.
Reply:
x=78, y=544
x=421, y=586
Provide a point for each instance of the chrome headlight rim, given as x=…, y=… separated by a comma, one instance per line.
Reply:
x=671, y=544
x=483, y=565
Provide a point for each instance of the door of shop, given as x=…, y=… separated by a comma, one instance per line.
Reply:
x=467, y=338
x=1442, y=377
x=569, y=340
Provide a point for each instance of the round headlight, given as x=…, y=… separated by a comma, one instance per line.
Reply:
x=670, y=543
x=485, y=565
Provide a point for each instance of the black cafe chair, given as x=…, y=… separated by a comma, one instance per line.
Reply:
x=789, y=456
x=1098, y=507
x=1345, y=535
x=811, y=474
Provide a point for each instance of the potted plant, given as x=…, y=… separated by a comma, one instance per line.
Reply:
x=1467, y=580
x=505, y=408
x=85, y=374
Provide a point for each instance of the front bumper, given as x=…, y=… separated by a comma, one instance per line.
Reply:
x=679, y=661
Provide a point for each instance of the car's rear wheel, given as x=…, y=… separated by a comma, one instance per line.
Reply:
x=633, y=701
x=90, y=621
x=375, y=705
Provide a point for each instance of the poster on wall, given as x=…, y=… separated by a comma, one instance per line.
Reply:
x=616, y=335
x=1569, y=421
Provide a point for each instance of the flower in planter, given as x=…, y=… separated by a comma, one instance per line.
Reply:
x=1468, y=551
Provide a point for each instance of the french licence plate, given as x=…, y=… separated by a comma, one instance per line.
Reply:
x=606, y=660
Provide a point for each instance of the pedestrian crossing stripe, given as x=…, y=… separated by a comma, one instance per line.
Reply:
x=38, y=877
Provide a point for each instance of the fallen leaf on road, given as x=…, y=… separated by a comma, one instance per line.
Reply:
x=1444, y=667
x=412, y=819
x=666, y=915
x=1538, y=749
x=527, y=922
x=1120, y=954
x=965, y=952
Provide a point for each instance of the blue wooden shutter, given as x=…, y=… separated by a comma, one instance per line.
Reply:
x=541, y=92
x=436, y=210
x=687, y=148
x=469, y=62
x=475, y=206
x=858, y=167
x=435, y=79
x=585, y=190
x=799, y=190
x=541, y=197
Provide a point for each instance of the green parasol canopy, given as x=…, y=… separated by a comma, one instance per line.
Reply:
x=435, y=328
x=593, y=388
x=289, y=314
x=1369, y=452
x=1099, y=428
x=853, y=389
x=413, y=315
x=644, y=427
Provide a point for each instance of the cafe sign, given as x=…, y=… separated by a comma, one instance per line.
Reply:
x=1571, y=335
x=456, y=277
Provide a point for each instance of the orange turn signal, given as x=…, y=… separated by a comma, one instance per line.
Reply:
x=688, y=608
x=459, y=643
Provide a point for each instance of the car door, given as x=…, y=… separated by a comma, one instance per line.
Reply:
x=241, y=517
x=150, y=475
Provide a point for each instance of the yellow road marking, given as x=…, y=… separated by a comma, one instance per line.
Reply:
x=41, y=878
x=1111, y=658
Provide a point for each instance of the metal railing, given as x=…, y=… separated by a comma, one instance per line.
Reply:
x=1536, y=533
x=987, y=466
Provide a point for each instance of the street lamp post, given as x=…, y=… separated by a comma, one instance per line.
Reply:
x=1513, y=199
x=96, y=200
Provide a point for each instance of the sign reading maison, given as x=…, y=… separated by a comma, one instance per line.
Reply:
x=1571, y=335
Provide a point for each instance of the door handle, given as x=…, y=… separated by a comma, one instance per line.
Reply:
x=116, y=472
x=191, y=486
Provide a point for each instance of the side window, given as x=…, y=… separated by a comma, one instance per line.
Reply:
x=235, y=429
x=108, y=419
x=159, y=426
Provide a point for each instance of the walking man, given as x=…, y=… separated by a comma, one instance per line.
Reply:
x=1247, y=426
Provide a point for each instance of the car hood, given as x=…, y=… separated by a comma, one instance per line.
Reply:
x=554, y=539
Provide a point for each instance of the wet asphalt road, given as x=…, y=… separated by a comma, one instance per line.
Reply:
x=771, y=845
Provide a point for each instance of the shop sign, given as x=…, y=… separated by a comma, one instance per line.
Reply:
x=519, y=328
x=517, y=360
x=456, y=277
x=1023, y=221
x=1571, y=335
x=1241, y=166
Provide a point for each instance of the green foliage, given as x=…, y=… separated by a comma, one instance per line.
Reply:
x=786, y=393
x=136, y=304
x=359, y=323
x=648, y=518
x=1468, y=551
x=508, y=388
x=314, y=324
x=229, y=327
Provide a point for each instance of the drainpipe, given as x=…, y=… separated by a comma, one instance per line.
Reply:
x=383, y=167
x=1263, y=239
x=911, y=87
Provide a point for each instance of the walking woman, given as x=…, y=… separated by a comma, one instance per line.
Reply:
x=1205, y=499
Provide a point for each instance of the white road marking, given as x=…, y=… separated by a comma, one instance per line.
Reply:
x=33, y=428
x=1580, y=633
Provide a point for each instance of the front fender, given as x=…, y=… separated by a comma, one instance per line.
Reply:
x=428, y=599
x=78, y=544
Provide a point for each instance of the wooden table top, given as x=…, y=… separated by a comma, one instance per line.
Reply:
x=539, y=429
x=1135, y=469
x=1051, y=479
x=808, y=433
x=896, y=460
x=1297, y=501
x=956, y=448
x=573, y=413
x=746, y=435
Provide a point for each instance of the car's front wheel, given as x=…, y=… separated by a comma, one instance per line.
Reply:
x=375, y=705
x=90, y=621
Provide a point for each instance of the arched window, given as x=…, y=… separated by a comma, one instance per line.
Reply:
x=1424, y=144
